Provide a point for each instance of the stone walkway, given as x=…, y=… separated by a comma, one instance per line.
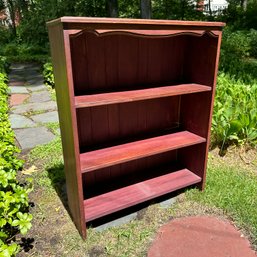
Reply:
x=31, y=106
x=200, y=236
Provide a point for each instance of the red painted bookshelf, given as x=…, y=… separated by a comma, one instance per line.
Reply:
x=135, y=100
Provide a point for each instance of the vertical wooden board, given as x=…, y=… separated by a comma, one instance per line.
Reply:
x=176, y=57
x=89, y=183
x=193, y=158
x=111, y=56
x=162, y=113
x=154, y=64
x=142, y=62
x=102, y=177
x=161, y=160
x=79, y=63
x=96, y=62
x=128, y=61
x=84, y=123
x=128, y=119
x=60, y=47
x=100, y=125
x=115, y=172
x=195, y=113
x=113, y=121
x=200, y=59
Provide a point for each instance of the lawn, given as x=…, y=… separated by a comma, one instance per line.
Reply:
x=230, y=193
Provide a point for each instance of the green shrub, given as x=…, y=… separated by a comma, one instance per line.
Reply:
x=236, y=43
x=5, y=35
x=14, y=206
x=11, y=50
x=3, y=64
x=253, y=42
x=16, y=52
x=48, y=74
x=236, y=51
x=235, y=112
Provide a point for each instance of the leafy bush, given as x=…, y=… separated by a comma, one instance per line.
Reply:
x=48, y=74
x=14, y=206
x=24, y=52
x=253, y=42
x=235, y=113
x=236, y=50
x=3, y=64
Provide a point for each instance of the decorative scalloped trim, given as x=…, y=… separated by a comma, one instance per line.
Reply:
x=146, y=33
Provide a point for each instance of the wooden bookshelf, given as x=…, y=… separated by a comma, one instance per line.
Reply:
x=134, y=97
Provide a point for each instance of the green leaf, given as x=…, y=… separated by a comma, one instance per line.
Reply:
x=235, y=127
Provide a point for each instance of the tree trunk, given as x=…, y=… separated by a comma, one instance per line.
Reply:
x=145, y=7
x=245, y=5
x=11, y=8
x=209, y=5
x=112, y=8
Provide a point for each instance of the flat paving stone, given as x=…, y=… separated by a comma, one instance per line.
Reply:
x=117, y=222
x=17, y=99
x=30, y=107
x=200, y=237
x=167, y=203
x=16, y=83
x=19, y=121
x=38, y=97
x=36, y=88
x=35, y=82
x=28, y=138
x=46, y=117
x=34, y=75
x=18, y=90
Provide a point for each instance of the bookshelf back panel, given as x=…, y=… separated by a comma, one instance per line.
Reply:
x=122, y=62
x=104, y=126
x=114, y=177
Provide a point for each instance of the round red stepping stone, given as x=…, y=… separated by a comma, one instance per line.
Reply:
x=17, y=99
x=200, y=237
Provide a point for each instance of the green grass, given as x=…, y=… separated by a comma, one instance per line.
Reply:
x=234, y=190
x=53, y=127
x=230, y=192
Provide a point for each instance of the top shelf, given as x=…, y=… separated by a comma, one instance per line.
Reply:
x=137, y=95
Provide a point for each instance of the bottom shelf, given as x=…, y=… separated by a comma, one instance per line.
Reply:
x=116, y=200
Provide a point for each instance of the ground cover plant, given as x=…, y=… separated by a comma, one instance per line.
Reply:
x=14, y=204
x=235, y=113
x=230, y=193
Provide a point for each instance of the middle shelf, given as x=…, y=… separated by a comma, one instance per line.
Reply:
x=137, y=95
x=109, y=156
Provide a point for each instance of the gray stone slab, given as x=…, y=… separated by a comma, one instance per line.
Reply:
x=38, y=97
x=30, y=107
x=14, y=77
x=18, y=90
x=28, y=138
x=35, y=82
x=33, y=76
x=117, y=222
x=19, y=121
x=167, y=203
x=36, y=88
x=24, y=66
x=46, y=117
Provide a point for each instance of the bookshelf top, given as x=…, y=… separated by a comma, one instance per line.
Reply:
x=83, y=22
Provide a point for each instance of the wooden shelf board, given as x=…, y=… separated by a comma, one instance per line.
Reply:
x=137, y=95
x=119, y=199
x=106, y=157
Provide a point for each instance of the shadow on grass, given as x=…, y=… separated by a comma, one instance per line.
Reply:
x=57, y=177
